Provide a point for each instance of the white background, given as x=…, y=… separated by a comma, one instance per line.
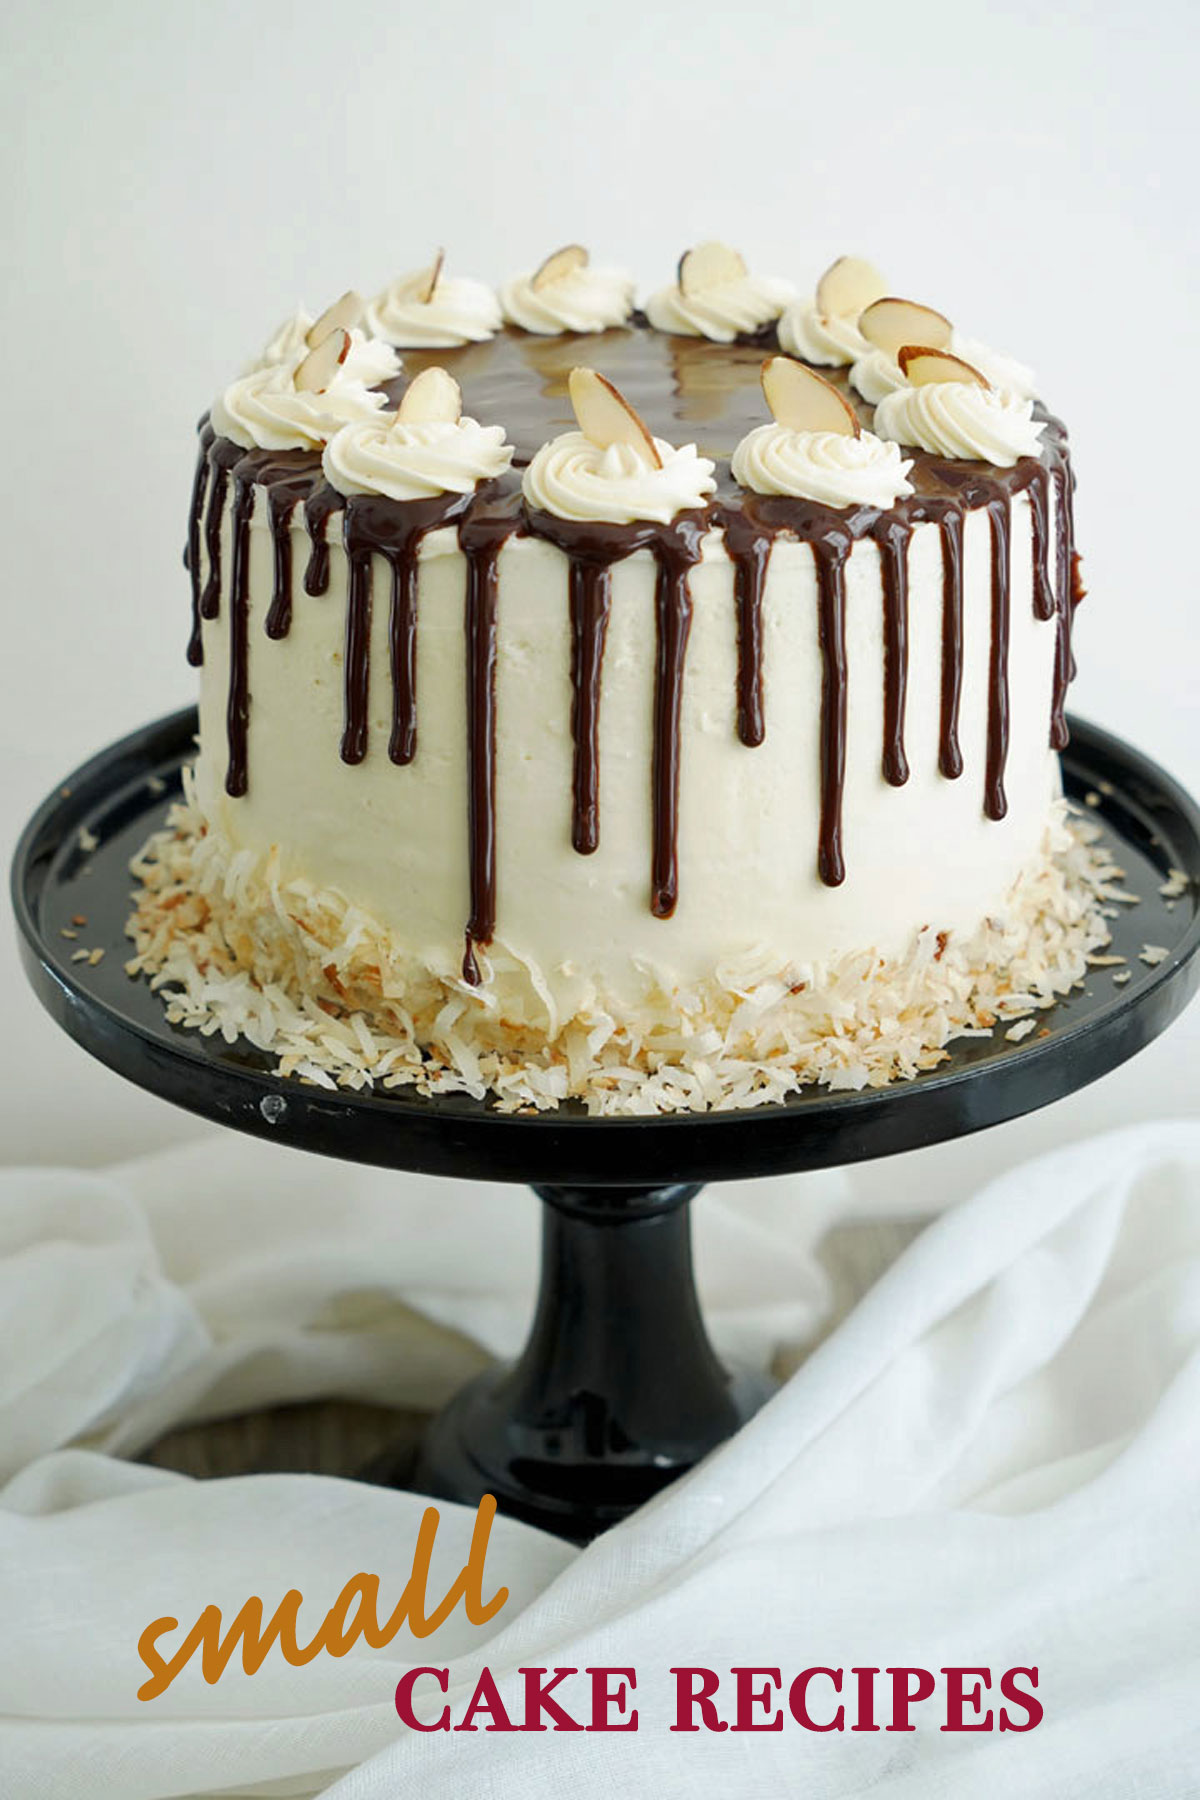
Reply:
x=185, y=174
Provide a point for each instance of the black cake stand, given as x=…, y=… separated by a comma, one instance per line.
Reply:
x=618, y=1389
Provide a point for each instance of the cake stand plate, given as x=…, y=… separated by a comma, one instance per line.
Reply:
x=618, y=1389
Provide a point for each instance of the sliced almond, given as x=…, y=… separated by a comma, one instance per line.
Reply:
x=848, y=287
x=564, y=262
x=802, y=401
x=605, y=416
x=429, y=288
x=431, y=397
x=709, y=266
x=321, y=365
x=343, y=315
x=889, y=323
x=923, y=366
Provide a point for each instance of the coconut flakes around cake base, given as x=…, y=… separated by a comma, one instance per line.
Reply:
x=318, y=985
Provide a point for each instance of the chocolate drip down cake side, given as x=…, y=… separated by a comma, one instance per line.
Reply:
x=654, y=709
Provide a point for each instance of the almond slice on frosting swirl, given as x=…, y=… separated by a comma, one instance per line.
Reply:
x=888, y=323
x=368, y=360
x=951, y=410
x=716, y=297
x=427, y=448
x=266, y=410
x=824, y=330
x=822, y=465
x=815, y=448
x=612, y=470
x=429, y=309
x=567, y=294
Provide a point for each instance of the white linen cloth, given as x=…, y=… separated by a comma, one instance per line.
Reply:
x=992, y=1461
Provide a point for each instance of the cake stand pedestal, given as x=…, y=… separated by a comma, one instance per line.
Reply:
x=618, y=1389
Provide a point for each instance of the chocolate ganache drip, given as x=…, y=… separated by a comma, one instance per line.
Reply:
x=221, y=457
x=831, y=552
x=710, y=394
x=591, y=603
x=1069, y=593
x=394, y=530
x=482, y=533
x=237, y=774
x=191, y=554
x=748, y=547
x=592, y=548
x=995, y=801
x=319, y=507
x=950, y=759
x=677, y=551
x=283, y=495
x=893, y=536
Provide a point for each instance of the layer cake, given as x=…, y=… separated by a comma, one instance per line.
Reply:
x=625, y=714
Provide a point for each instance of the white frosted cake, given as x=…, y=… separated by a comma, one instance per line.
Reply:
x=655, y=709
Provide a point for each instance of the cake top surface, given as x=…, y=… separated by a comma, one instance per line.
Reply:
x=688, y=390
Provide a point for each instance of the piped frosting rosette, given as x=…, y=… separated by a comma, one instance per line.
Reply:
x=368, y=360
x=427, y=448
x=950, y=409
x=433, y=310
x=715, y=296
x=877, y=373
x=824, y=330
x=836, y=469
x=297, y=405
x=611, y=470
x=568, y=294
x=815, y=449
x=889, y=323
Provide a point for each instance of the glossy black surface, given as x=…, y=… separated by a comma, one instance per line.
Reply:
x=122, y=794
x=617, y=1391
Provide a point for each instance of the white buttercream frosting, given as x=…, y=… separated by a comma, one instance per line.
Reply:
x=961, y=419
x=877, y=373
x=585, y=299
x=829, y=341
x=266, y=411
x=830, y=466
x=368, y=359
x=414, y=461
x=722, y=311
x=460, y=312
x=575, y=479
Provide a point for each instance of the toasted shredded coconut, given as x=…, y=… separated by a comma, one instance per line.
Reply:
x=313, y=981
x=1153, y=954
x=1175, y=884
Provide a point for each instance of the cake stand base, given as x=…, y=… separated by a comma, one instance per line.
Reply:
x=618, y=1389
